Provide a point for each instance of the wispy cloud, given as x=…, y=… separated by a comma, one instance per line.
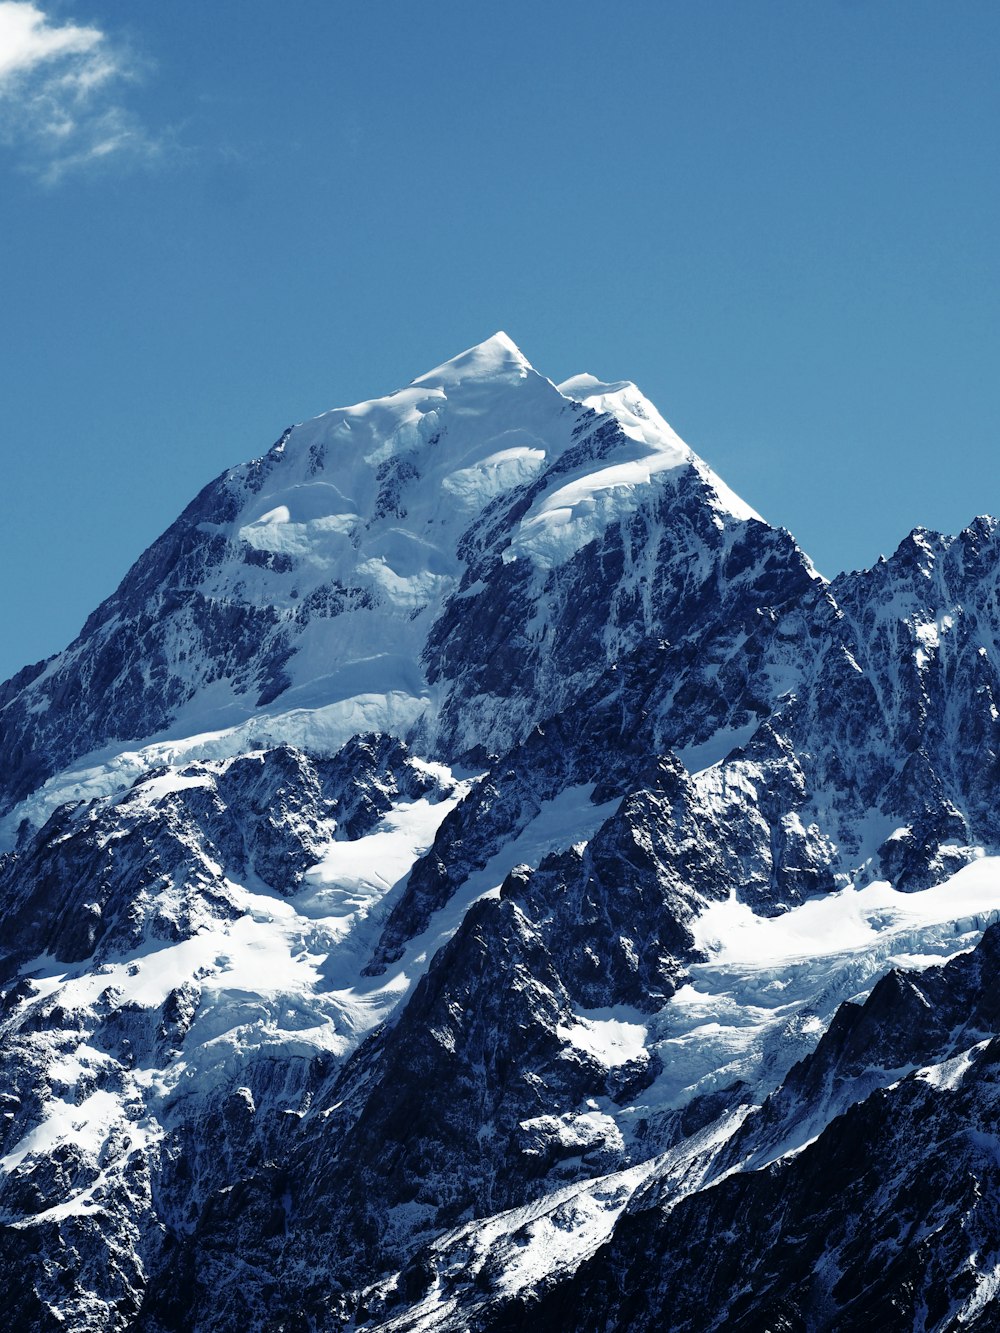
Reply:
x=62, y=89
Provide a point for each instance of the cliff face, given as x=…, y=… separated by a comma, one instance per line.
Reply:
x=473, y=870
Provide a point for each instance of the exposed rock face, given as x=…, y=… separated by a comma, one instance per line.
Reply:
x=475, y=873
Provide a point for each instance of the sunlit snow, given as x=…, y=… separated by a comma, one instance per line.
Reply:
x=772, y=984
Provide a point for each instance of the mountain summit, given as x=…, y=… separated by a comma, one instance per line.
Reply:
x=317, y=580
x=474, y=873
x=498, y=358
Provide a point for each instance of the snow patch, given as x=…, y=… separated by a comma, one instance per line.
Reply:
x=733, y=935
x=949, y=1074
x=771, y=985
x=609, y=1041
x=708, y=753
x=85, y=1125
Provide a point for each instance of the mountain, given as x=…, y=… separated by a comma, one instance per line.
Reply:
x=474, y=872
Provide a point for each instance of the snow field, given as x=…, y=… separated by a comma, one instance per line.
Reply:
x=283, y=978
x=772, y=984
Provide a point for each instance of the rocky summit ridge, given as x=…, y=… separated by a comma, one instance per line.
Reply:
x=475, y=872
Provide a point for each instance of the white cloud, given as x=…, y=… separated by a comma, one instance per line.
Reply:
x=60, y=94
x=27, y=38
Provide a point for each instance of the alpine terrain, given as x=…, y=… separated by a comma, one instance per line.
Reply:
x=475, y=874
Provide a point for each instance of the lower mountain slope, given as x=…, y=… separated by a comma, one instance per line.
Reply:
x=885, y=1217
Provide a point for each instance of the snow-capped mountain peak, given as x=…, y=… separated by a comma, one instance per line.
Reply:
x=323, y=575
x=629, y=406
x=496, y=358
x=640, y=420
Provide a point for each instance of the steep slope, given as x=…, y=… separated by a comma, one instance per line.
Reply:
x=428, y=868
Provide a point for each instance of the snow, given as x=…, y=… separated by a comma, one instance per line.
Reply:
x=498, y=358
x=473, y=487
x=987, y=1289
x=152, y=790
x=640, y=420
x=303, y=955
x=851, y=919
x=609, y=1041
x=929, y=635
x=374, y=499
x=569, y=819
x=949, y=1074
x=323, y=730
x=522, y=1246
x=772, y=984
x=85, y=1125
x=565, y=518
x=283, y=975
x=550, y=1237
x=577, y=1132
x=636, y=415
x=327, y=534
x=481, y=424
x=354, y=875
x=731, y=503
x=286, y=974
x=708, y=753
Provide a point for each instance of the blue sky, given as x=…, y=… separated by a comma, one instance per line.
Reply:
x=217, y=218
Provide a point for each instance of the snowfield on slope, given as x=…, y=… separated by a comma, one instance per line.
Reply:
x=772, y=984
x=284, y=978
x=451, y=566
